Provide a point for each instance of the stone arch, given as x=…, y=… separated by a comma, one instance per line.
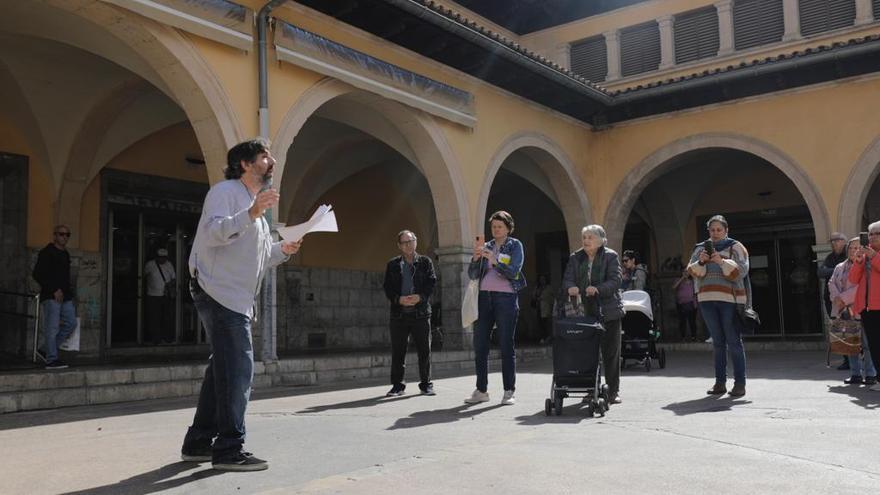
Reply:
x=18, y=108
x=855, y=190
x=425, y=145
x=78, y=169
x=178, y=69
x=659, y=162
x=560, y=170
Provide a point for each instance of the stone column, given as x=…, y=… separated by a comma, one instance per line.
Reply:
x=612, y=49
x=264, y=330
x=792, y=18
x=452, y=272
x=725, y=27
x=667, y=44
x=864, y=12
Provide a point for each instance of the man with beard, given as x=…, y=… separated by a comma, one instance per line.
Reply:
x=232, y=250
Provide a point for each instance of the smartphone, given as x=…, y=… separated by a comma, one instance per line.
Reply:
x=709, y=247
x=863, y=238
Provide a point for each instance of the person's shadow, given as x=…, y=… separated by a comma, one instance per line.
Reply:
x=153, y=481
x=860, y=396
x=355, y=404
x=440, y=416
x=708, y=404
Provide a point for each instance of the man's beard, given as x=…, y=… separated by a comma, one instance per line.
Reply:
x=266, y=179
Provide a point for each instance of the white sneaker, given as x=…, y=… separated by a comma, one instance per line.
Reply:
x=477, y=397
x=875, y=388
x=508, y=399
x=709, y=340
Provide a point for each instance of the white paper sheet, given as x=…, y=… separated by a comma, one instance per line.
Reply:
x=323, y=220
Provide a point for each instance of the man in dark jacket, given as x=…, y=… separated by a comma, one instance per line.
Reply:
x=826, y=269
x=52, y=272
x=409, y=282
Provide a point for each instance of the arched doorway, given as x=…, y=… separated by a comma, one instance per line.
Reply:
x=860, y=201
x=90, y=84
x=771, y=206
x=384, y=168
x=532, y=179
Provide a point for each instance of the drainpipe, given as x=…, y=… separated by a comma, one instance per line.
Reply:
x=268, y=297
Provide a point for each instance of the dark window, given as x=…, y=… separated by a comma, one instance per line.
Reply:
x=877, y=10
x=818, y=16
x=757, y=22
x=639, y=49
x=696, y=35
x=589, y=58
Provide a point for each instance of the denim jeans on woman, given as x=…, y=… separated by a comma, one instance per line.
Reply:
x=227, y=384
x=501, y=309
x=855, y=361
x=721, y=320
x=59, y=320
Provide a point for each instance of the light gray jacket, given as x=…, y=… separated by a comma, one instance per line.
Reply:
x=231, y=252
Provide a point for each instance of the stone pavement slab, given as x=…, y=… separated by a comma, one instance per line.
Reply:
x=798, y=430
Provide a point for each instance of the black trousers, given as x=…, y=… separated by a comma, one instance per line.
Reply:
x=611, y=355
x=871, y=323
x=159, y=316
x=401, y=329
x=687, y=317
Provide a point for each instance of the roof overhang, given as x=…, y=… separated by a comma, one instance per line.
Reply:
x=442, y=35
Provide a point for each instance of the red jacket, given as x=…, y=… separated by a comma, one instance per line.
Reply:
x=857, y=276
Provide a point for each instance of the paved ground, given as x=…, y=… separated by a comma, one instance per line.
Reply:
x=799, y=430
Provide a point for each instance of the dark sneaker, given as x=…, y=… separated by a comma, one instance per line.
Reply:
x=717, y=389
x=243, y=461
x=428, y=389
x=202, y=454
x=870, y=380
x=56, y=365
x=738, y=390
x=854, y=380
x=396, y=391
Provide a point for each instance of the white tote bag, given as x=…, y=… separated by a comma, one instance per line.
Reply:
x=72, y=342
x=470, y=303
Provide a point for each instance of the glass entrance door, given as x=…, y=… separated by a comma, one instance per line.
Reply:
x=785, y=286
x=134, y=317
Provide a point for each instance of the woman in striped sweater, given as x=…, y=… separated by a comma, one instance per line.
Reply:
x=718, y=266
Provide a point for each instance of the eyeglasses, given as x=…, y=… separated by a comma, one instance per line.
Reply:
x=873, y=233
x=63, y=234
x=403, y=243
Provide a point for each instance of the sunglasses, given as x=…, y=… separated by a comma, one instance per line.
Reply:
x=63, y=234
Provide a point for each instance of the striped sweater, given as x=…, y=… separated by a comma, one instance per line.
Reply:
x=724, y=282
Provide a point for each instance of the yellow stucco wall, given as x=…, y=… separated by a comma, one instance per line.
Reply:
x=161, y=154
x=549, y=42
x=823, y=130
x=41, y=202
x=371, y=208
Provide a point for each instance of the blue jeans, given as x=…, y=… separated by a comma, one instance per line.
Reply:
x=721, y=320
x=59, y=320
x=855, y=362
x=501, y=308
x=227, y=384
